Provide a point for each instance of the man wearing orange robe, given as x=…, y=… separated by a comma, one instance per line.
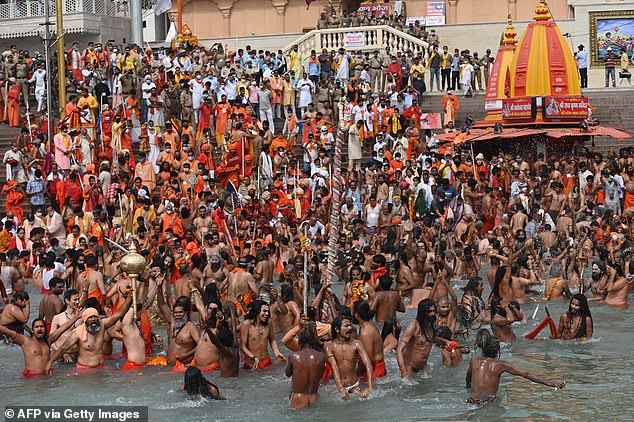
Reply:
x=13, y=200
x=13, y=107
x=221, y=112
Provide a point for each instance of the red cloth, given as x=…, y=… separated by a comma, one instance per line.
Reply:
x=378, y=371
x=27, y=373
x=327, y=373
x=179, y=367
x=130, y=364
x=209, y=368
x=265, y=363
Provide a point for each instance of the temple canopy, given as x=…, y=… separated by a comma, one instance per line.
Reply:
x=543, y=63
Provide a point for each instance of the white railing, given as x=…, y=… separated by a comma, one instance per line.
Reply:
x=18, y=9
x=376, y=37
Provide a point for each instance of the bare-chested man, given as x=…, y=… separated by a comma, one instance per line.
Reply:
x=215, y=272
x=73, y=304
x=370, y=338
x=133, y=340
x=264, y=268
x=256, y=335
x=484, y=373
x=417, y=341
x=618, y=286
x=182, y=334
x=36, y=349
x=386, y=302
x=503, y=314
x=241, y=288
x=306, y=366
x=51, y=304
x=15, y=315
x=96, y=286
x=89, y=337
x=207, y=355
x=346, y=353
x=291, y=318
x=576, y=323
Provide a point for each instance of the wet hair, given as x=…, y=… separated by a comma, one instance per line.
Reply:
x=335, y=326
x=385, y=282
x=444, y=332
x=499, y=276
x=307, y=337
x=43, y=322
x=196, y=384
x=225, y=335
x=70, y=293
x=489, y=344
x=422, y=314
x=20, y=296
x=472, y=285
x=380, y=260
x=254, y=309
x=585, y=311
x=390, y=327
x=495, y=307
x=286, y=293
x=210, y=295
x=362, y=308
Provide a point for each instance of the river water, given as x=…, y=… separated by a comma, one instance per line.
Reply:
x=598, y=373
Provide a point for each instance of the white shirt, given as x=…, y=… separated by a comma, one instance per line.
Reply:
x=147, y=88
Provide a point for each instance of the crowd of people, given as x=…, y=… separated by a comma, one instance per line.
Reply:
x=217, y=166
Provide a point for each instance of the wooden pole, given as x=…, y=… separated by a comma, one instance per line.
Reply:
x=305, y=273
x=61, y=62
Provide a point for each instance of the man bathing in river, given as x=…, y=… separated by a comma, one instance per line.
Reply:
x=256, y=335
x=90, y=338
x=306, y=366
x=484, y=373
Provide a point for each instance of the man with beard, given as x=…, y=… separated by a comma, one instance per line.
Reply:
x=484, y=373
x=371, y=340
x=183, y=335
x=346, y=354
x=306, y=366
x=414, y=348
x=447, y=311
x=90, y=338
x=215, y=272
x=556, y=285
x=576, y=323
x=599, y=279
x=255, y=336
x=37, y=349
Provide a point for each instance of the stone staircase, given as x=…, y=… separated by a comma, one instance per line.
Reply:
x=374, y=38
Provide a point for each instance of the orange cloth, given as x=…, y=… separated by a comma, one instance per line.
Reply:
x=247, y=300
x=628, y=201
x=83, y=368
x=13, y=108
x=156, y=361
x=265, y=363
x=600, y=197
x=96, y=293
x=179, y=367
x=27, y=373
x=130, y=364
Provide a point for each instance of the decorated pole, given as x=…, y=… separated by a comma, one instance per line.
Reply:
x=336, y=200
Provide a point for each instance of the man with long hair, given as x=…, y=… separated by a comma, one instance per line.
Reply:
x=414, y=348
x=306, y=366
x=255, y=336
x=484, y=373
x=576, y=323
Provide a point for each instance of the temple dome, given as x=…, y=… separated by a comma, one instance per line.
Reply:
x=543, y=63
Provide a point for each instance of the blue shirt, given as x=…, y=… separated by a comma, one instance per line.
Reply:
x=455, y=64
x=582, y=59
x=37, y=187
x=312, y=68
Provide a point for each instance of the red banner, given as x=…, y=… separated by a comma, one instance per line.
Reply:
x=565, y=108
x=518, y=108
x=380, y=9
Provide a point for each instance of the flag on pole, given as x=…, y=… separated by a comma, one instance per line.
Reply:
x=308, y=2
x=172, y=33
x=162, y=6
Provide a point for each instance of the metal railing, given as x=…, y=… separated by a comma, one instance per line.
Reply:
x=19, y=9
x=376, y=37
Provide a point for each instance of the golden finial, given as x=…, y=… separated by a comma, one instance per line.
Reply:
x=542, y=12
x=510, y=33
